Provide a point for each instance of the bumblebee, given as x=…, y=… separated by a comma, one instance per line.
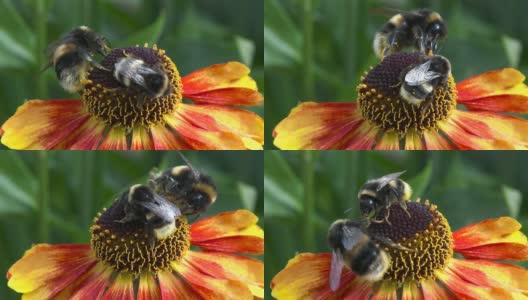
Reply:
x=420, y=29
x=157, y=213
x=376, y=196
x=73, y=54
x=419, y=81
x=134, y=72
x=192, y=192
x=352, y=248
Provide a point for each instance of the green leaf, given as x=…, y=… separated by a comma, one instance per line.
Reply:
x=18, y=186
x=421, y=180
x=248, y=195
x=17, y=42
x=246, y=49
x=150, y=34
x=513, y=48
x=282, y=40
x=282, y=189
x=513, y=198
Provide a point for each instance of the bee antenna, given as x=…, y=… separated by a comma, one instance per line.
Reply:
x=348, y=210
x=188, y=163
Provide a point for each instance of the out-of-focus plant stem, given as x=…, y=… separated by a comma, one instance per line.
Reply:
x=308, y=67
x=309, y=158
x=42, y=42
x=44, y=197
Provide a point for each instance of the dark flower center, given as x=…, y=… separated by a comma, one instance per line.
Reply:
x=129, y=247
x=117, y=104
x=381, y=103
x=426, y=235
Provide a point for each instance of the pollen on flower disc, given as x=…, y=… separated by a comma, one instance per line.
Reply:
x=115, y=104
x=424, y=232
x=128, y=247
x=380, y=101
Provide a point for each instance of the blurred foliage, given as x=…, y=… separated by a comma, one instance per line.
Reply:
x=483, y=35
x=195, y=34
x=468, y=187
x=82, y=183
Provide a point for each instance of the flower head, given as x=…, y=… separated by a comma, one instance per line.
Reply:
x=383, y=119
x=122, y=262
x=422, y=263
x=112, y=116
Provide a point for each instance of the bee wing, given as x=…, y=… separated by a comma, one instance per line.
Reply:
x=351, y=236
x=162, y=208
x=336, y=266
x=388, y=178
x=421, y=74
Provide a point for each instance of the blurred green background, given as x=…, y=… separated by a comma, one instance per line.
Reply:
x=305, y=191
x=53, y=196
x=195, y=34
x=483, y=35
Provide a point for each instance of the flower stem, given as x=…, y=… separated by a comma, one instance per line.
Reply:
x=309, y=200
x=42, y=41
x=87, y=12
x=88, y=162
x=308, y=74
x=43, y=201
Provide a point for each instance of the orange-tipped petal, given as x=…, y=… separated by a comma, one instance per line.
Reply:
x=200, y=139
x=466, y=290
x=411, y=291
x=493, y=126
x=235, y=231
x=389, y=141
x=173, y=288
x=209, y=287
x=114, y=140
x=226, y=266
x=318, y=126
x=468, y=141
x=121, y=289
x=387, y=291
x=148, y=288
x=433, y=291
x=164, y=139
x=41, y=125
x=225, y=119
x=491, y=274
x=500, y=103
x=413, y=141
x=224, y=84
x=141, y=139
x=45, y=270
x=93, y=285
x=435, y=141
x=489, y=84
x=306, y=276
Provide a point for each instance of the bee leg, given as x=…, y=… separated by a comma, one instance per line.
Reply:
x=424, y=106
x=390, y=243
x=403, y=205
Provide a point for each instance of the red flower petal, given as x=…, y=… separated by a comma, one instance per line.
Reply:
x=387, y=291
x=141, y=139
x=433, y=291
x=318, y=126
x=173, y=288
x=500, y=251
x=41, y=125
x=491, y=274
x=226, y=266
x=435, y=141
x=201, y=139
x=86, y=137
x=358, y=288
x=467, y=141
x=229, y=232
x=493, y=126
x=114, y=140
x=209, y=287
x=307, y=277
x=93, y=285
x=363, y=139
x=148, y=288
x=45, y=270
x=499, y=103
x=121, y=288
x=224, y=84
x=466, y=290
x=164, y=139
x=225, y=119
x=488, y=83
